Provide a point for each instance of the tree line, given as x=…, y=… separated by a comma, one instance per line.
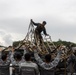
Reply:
x=56, y=43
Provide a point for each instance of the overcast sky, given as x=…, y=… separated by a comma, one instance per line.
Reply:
x=15, y=16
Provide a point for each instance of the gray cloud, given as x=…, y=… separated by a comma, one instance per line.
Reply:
x=15, y=16
x=2, y=33
x=17, y=25
x=7, y=40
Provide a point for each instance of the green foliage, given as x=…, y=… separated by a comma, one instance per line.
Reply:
x=16, y=43
x=66, y=43
x=59, y=42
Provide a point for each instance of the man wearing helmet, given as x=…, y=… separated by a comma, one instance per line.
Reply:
x=40, y=27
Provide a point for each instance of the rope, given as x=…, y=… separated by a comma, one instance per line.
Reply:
x=34, y=37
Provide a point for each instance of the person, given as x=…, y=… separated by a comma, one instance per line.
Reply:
x=15, y=64
x=29, y=64
x=40, y=28
x=71, y=61
x=48, y=65
x=4, y=65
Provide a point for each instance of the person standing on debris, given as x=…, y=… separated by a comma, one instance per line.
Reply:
x=40, y=27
